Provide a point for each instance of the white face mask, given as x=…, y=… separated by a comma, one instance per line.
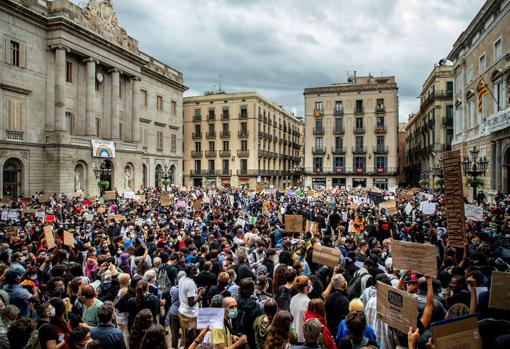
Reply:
x=52, y=312
x=310, y=289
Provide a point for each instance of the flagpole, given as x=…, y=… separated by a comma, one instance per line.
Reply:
x=490, y=92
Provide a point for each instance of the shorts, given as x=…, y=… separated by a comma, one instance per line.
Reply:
x=187, y=322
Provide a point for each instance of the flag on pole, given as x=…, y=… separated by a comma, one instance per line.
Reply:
x=482, y=90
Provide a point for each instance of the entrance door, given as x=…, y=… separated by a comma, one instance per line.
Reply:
x=357, y=182
x=144, y=174
x=159, y=171
x=107, y=175
x=12, y=175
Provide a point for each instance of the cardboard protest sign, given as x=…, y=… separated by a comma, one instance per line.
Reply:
x=407, y=196
x=241, y=222
x=473, y=212
x=206, y=200
x=428, y=208
x=396, y=308
x=68, y=239
x=109, y=195
x=164, y=200
x=499, y=297
x=183, y=189
x=48, y=234
x=11, y=232
x=7, y=201
x=323, y=255
x=119, y=217
x=43, y=198
x=390, y=206
x=457, y=333
x=280, y=218
x=418, y=257
x=294, y=223
x=101, y=209
x=40, y=214
x=454, y=198
x=197, y=205
x=140, y=198
x=26, y=200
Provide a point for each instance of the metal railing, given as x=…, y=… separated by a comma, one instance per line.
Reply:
x=359, y=150
x=196, y=154
x=15, y=136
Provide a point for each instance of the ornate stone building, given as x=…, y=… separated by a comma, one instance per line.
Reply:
x=76, y=93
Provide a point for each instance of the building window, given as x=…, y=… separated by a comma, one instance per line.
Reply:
x=244, y=145
x=469, y=74
x=173, y=144
x=225, y=129
x=244, y=127
x=211, y=114
x=359, y=106
x=198, y=129
x=69, y=122
x=225, y=114
x=160, y=140
x=319, y=143
x=359, y=163
x=339, y=106
x=15, y=115
x=359, y=142
x=198, y=146
x=212, y=146
x=338, y=162
x=211, y=129
x=174, y=108
x=159, y=103
x=318, y=108
x=498, y=49
x=318, y=124
x=244, y=112
x=98, y=127
x=379, y=122
x=69, y=72
x=339, y=143
x=198, y=165
x=338, y=124
x=449, y=88
x=197, y=112
x=359, y=123
x=225, y=165
x=226, y=146
x=481, y=63
x=244, y=165
x=15, y=53
x=121, y=131
x=380, y=142
x=499, y=95
x=145, y=98
x=317, y=164
x=380, y=163
x=449, y=137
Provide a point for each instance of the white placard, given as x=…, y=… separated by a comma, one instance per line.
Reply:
x=102, y=149
x=408, y=208
x=5, y=214
x=40, y=214
x=212, y=317
x=241, y=222
x=129, y=195
x=474, y=213
x=428, y=208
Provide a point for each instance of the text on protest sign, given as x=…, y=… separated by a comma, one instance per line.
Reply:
x=212, y=317
x=48, y=234
x=396, y=308
x=454, y=198
x=323, y=255
x=499, y=297
x=390, y=206
x=294, y=223
x=109, y=195
x=473, y=212
x=457, y=333
x=421, y=258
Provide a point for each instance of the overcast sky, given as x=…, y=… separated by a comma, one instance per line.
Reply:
x=279, y=47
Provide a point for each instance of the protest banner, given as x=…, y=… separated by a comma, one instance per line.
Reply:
x=210, y=317
x=43, y=198
x=140, y=198
x=50, y=218
x=473, y=212
x=459, y=332
x=197, y=205
x=13, y=214
x=499, y=296
x=396, y=308
x=48, y=234
x=421, y=258
x=129, y=195
x=428, y=208
x=109, y=195
x=119, y=217
x=390, y=206
x=164, y=200
x=454, y=198
x=323, y=255
x=293, y=223
x=68, y=239
x=101, y=209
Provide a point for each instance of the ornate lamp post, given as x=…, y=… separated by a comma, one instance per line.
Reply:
x=166, y=173
x=101, y=172
x=474, y=167
x=437, y=172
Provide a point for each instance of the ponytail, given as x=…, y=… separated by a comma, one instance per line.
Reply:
x=141, y=287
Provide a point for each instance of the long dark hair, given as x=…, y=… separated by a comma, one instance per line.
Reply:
x=141, y=324
x=141, y=288
x=58, y=319
x=278, y=336
x=154, y=338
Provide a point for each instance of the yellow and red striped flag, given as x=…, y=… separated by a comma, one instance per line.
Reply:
x=482, y=90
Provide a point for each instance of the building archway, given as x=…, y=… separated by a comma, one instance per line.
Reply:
x=158, y=172
x=144, y=175
x=80, y=177
x=172, y=174
x=108, y=175
x=506, y=172
x=12, y=178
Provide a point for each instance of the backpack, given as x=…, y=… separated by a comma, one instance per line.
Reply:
x=34, y=342
x=163, y=282
x=283, y=300
x=354, y=286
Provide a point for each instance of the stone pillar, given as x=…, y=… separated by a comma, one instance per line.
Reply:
x=135, y=114
x=60, y=89
x=493, y=166
x=114, y=126
x=90, y=115
x=498, y=164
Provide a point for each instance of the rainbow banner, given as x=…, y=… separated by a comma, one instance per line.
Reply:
x=103, y=149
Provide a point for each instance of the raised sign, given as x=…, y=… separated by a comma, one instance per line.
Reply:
x=454, y=198
x=293, y=223
x=499, y=297
x=418, y=257
x=396, y=308
x=323, y=255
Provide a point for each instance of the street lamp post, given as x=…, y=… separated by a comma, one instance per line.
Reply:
x=166, y=173
x=475, y=167
x=101, y=172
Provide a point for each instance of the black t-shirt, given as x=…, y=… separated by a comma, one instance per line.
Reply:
x=490, y=329
x=46, y=333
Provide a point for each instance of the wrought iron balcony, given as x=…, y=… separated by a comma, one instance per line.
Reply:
x=14, y=136
x=318, y=112
x=339, y=130
x=339, y=150
x=380, y=149
x=210, y=135
x=318, y=130
x=380, y=108
x=197, y=117
x=196, y=154
x=225, y=153
x=224, y=134
x=244, y=134
x=211, y=153
x=358, y=110
x=359, y=129
x=380, y=129
x=243, y=153
x=359, y=150
x=338, y=112
x=197, y=135
x=318, y=151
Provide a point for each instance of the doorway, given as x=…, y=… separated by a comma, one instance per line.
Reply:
x=12, y=178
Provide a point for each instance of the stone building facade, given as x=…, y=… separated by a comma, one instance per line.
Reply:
x=70, y=75
x=351, y=133
x=481, y=54
x=240, y=139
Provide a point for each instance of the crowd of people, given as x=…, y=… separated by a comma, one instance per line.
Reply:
x=132, y=272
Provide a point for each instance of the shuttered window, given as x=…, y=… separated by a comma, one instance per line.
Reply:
x=160, y=140
x=15, y=53
x=15, y=115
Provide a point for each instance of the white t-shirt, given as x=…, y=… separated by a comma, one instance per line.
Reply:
x=187, y=288
x=298, y=307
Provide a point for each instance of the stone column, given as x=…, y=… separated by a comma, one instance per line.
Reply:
x=498, y=164
x=135, y=114
x=60, y=89
x=90, y=115
x=114, y=134
x=493, y=166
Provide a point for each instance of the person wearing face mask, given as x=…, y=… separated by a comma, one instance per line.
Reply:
x=223, y=338
x=48, y=336
x=299, y=305
x=54, y=288
x=8, y=315
x=18, y=264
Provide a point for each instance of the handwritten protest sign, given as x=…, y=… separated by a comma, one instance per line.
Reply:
x=43, y=198
x=212, y=317
x=499, y=297
x=140, y=198
x=326, y=256
x=129, y=195
x=454, y=198
x=68, y=239
x=428, y=208
x=408, y=209
x=40, y=214
x=48, y=234
x=390, y=206
x=164, y=200
x=119, y=217
x=241, y=222
x=473, y=212
x=457, y=333
x=197, y=205
x=294, y=223
x=101, y=209
x=109, y=195
x=396, y=308
x=418, y=257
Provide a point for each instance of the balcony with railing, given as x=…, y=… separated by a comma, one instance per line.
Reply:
x=14, y=136
x=244, y=134
x=381, y=149
x=195, y=173
x=380, y=129
x=359, y=150
x=224, y=134
x=318, y=130
x=225, y=153
x=210, y=135
x=361, y=169
x=380, y=108
x=225, y=172
x=338, y=112
x=197, y=117
x=196, y=153
x=435, y=95
x=209, y=173
x=359, y=129
x=197, y=135
x=243, y=114
x=318, y=112
x=447, y=120
x=211, y=117
x=338, y=150
x=339, y=130
x=318, y=151
x=211, y=153
x=358, y=110
x=225, y=116
x=243, y=153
